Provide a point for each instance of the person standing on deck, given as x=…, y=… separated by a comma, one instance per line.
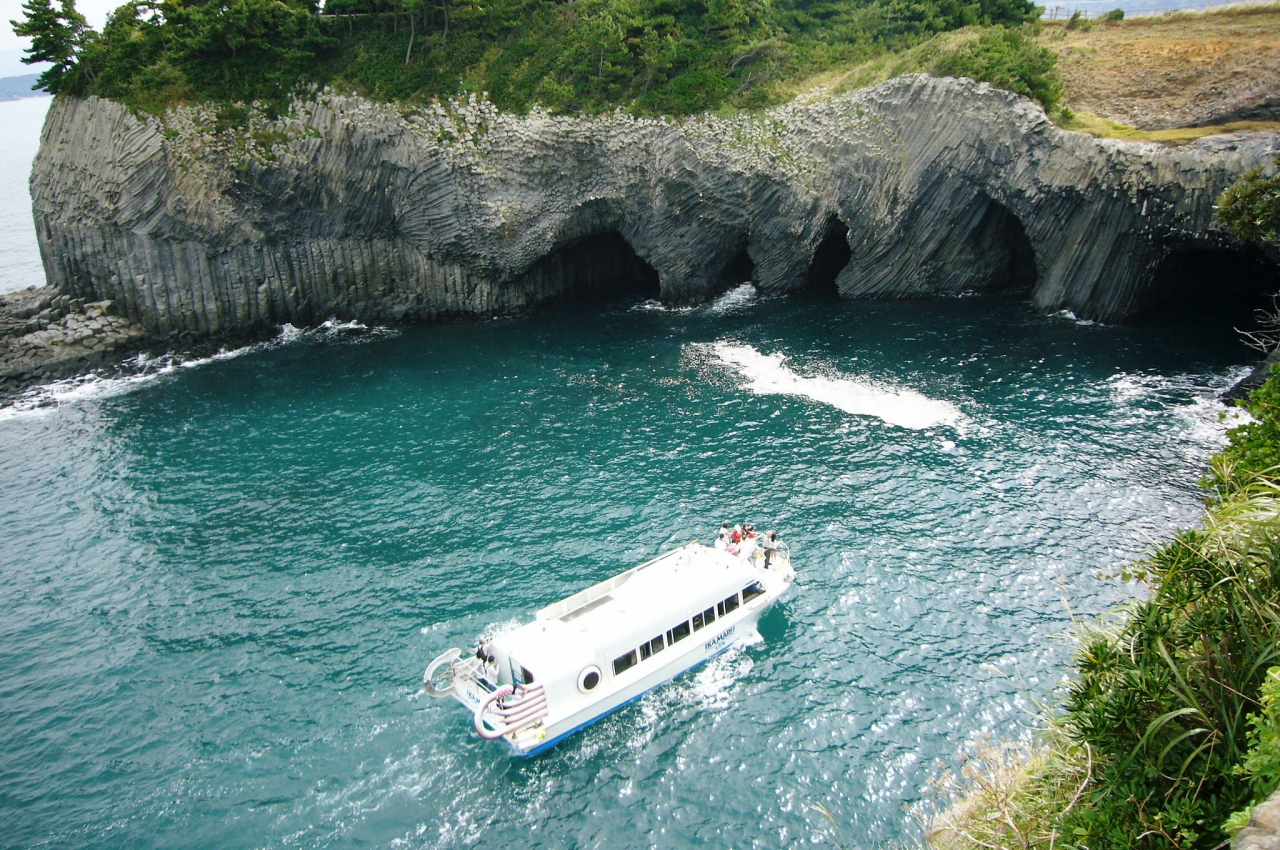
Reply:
x=769, y=543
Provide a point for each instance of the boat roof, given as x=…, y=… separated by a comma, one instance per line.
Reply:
x=632, y=606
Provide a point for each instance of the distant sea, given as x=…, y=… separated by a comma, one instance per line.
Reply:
x=20, y=123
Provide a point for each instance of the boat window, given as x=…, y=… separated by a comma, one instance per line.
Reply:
x=679, y=633
x=645, y=652
x=751, y=591
x=657, y=645
x=625, y=662
x=706, y=618
x=727, y=605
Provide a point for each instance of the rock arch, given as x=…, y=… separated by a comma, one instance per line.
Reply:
x=1003, y=258
x=740, y=269
x=944, y=244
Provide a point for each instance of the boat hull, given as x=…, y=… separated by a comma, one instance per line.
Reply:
x=557, y=732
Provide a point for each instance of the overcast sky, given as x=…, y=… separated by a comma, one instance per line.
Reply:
x=95, y=10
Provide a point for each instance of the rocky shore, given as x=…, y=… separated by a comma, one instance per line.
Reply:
x=45, y=335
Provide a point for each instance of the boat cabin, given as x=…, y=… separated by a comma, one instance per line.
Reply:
x=609, y=634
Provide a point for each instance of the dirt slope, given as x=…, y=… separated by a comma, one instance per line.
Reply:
x=1179, y=70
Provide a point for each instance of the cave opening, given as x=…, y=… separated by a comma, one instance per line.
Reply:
x=739, y=270
x=1203, y=287
x=601, y=267
x=829, y=259
x=1002, y=251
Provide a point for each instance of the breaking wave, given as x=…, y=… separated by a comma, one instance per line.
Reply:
x=741, y=296
x=144, y=369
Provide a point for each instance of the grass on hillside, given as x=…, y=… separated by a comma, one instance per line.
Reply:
x=1102, y=128
x=1103, y=68
x=671, y=57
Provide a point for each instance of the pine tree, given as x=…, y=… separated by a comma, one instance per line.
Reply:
x=57, y=36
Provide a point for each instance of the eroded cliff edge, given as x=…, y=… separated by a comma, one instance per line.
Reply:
x=354, y=209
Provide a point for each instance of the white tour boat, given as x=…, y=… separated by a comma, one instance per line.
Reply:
x=604, y=647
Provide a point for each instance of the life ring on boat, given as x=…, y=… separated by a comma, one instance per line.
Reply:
x=445, y=687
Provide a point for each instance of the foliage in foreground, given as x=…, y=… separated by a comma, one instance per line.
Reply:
x=1177, y=712
x=1009, y=795
x=1253, y=450
x=650, y=56
x=1250, y=209
x=1164, y=704
x=1261, y=767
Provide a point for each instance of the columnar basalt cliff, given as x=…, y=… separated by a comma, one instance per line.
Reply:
x=354, y=209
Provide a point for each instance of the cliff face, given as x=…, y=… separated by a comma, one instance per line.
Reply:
x=353, y=209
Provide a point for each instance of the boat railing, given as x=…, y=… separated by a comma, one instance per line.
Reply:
x=442, y=675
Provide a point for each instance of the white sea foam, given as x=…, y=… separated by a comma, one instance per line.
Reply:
x=1203, y=418
x=1072, y=317
x=741, y=296
x=768, y=374
x=145, y=369
x=46, y=398
x=653, y=305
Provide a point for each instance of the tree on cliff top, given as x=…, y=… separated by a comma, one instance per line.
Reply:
x=58, y=36
x=670, y=57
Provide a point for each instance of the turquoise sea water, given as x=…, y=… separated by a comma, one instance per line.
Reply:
x=219, y=585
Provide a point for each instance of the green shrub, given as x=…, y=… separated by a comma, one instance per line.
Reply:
x=1007, y=58
x=651, y=56
x=1114, y=16
x=1253, y=449
x=1250, y=209
x=1163, y=705
x=1261, y=767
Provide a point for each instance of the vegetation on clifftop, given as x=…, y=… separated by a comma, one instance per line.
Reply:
x=650, y=56
x=1251, y=208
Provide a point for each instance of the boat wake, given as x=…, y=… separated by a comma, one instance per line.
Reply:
x=145, y=369
x=768, y=374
